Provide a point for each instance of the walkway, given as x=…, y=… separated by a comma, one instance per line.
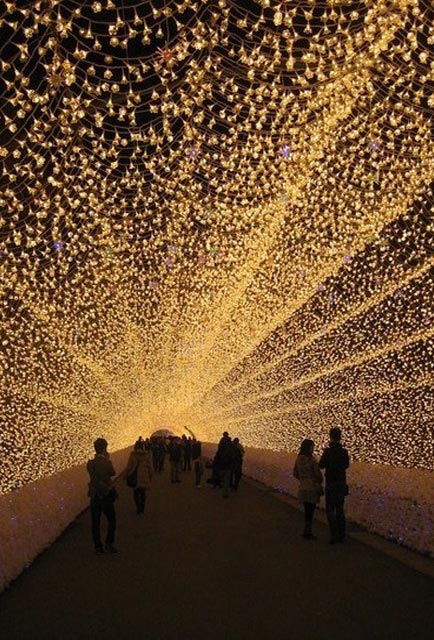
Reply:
x=198, y=567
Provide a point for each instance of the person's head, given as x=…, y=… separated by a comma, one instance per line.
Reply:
x=225, y=434
x=100, y=445
x=306, y=447
x=335, y=434
x=236, y=440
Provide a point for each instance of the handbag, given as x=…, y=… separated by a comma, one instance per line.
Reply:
x=131, y=478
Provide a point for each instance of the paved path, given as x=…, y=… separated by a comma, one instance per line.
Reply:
x=197, y=566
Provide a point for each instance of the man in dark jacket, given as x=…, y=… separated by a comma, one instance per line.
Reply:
x=102, y=495
x=335, y=461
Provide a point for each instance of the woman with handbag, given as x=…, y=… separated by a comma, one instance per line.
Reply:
x=308, y=473
x=139, y=474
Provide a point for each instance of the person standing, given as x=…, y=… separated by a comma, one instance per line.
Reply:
x=102, y=495
x=139, y=463
x=175, y=455
x=161, y=454
x=224, y=460
x=237, y=464
x=308, y=473
x=155, y=448
x=187, y=455
x=196, y=454
x=335, y=461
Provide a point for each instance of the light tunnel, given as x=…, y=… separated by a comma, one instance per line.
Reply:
x=219, y=216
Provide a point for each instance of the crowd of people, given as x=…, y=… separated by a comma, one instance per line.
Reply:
x=184, y=455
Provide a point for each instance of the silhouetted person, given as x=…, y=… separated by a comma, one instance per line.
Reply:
x=102, y=495
x=139, y=462
x=175, y=455
x=196, y=454
x=187, y=455
x=335, y=461
x=161, y=454
x=155, y=449
x=223, y=461
x=237, y=463
x=308, y=473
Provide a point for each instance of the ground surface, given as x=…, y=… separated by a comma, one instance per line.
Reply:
x=197, y=566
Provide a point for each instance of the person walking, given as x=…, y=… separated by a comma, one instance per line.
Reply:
x=139, y=467
x=335, y=461
x=102, y=495
x=308, y=473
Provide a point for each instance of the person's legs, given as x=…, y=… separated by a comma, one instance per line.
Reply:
x=110, y=514
x=177, y=470
x=330, y=496
x=95, y=512
x=236, y=477
x=161, y=462
x=226, y=481
x=309, y=508
x=172, y=471
x=340, y=520
x=137, y=499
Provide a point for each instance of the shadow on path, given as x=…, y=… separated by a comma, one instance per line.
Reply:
x=198, y=567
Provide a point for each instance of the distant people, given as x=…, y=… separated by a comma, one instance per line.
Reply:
x=139, y=466
x=162, y=450
x=308, y=473
x=175, y=456
x=237, y=464
x=335, y=461
x=186, y=462
x=196, y=454
x=155, y=450
x=102, y=495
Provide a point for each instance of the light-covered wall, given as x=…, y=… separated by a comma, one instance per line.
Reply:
x=34, y=515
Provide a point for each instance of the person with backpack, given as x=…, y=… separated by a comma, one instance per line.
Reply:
x=102, y=495
x=335, y=461
x=139, y=475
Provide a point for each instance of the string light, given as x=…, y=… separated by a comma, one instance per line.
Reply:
x=216, y=214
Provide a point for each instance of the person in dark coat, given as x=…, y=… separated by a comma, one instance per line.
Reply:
x=175, y=456
x=102, y=495
x=196, y=454
x=335, y=461
x=186, y=457
x=223, y=461
x=161, y=454
x=155, y=449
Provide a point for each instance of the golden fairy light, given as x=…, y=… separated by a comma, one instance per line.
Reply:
x=220, y=215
